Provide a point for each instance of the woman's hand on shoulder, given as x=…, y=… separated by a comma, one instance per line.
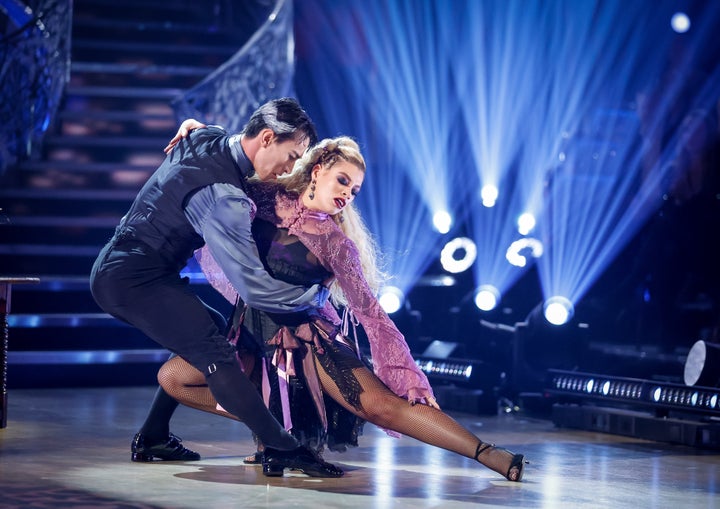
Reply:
x=184, y=130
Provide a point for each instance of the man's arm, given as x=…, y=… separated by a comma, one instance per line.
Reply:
x=222, y=214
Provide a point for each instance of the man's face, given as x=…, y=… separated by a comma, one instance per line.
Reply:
x=275, y=158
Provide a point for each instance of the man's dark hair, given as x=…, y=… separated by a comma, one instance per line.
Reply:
x=286, y=118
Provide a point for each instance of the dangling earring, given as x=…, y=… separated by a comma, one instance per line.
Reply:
x=341, y=217
x=312, y=190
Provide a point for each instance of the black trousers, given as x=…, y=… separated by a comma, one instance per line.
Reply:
x=135, y=284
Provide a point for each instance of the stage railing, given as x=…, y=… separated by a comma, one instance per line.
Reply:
x=34, y=69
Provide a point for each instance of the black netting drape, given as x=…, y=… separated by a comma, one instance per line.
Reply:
x=261, y=70
x=34, y=68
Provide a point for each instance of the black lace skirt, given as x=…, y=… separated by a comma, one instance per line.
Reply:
x=337, y=358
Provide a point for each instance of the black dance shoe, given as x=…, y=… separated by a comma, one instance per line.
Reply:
x=253, y=459
x=303, y=459
x=169, y=450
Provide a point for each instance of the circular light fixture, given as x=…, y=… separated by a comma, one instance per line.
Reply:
x=702, y=365
x=518, y=252
x=458, y=255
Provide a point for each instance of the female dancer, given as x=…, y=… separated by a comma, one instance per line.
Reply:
x=308, y=231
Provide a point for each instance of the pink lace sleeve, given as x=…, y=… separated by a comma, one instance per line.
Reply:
x=392, y=361
x=214, y=274
x=391, y=356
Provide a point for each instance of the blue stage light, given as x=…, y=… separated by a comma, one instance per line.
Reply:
x=680, y=22
x=442, y=221
x=487, y=297
x=391, y=299
x=558, y=310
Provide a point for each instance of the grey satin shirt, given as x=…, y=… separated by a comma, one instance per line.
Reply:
x=221, y=214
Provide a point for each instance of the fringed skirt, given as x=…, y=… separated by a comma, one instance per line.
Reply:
x=284, y=369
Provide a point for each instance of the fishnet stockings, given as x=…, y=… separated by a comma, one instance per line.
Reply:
x=379, y=406
x=187, y=385
x=383, y=408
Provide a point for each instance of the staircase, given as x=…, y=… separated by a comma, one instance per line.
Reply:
x=129, y=61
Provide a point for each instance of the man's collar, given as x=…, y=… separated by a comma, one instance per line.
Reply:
x=238, y=153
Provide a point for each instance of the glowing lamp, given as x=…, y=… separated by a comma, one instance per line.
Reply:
x=442, y=221
x=487, y=297
x=558, y=310
x=489, y=195
x=525, y=223
x=391, y=299
x=680, y=22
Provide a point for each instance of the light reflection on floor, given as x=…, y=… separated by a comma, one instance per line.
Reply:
x=70, y=448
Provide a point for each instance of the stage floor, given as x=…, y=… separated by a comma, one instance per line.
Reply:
x=71, y=448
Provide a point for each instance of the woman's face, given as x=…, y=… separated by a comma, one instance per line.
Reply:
x=336, y=187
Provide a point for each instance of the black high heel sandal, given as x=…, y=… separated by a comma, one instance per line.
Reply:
x=517, y=461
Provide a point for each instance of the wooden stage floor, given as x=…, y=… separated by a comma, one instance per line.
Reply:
x=71, y=448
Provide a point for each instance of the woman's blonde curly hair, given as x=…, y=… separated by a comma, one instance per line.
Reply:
x=326, y=153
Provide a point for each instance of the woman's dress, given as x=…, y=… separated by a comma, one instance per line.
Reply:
x=278, y=351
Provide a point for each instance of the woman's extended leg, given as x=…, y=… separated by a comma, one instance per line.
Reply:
x=383, y=408
x=379, y=406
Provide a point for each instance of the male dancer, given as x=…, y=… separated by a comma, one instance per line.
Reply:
x=197, y=197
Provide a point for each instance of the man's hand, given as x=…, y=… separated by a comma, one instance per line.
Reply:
x=185, y=128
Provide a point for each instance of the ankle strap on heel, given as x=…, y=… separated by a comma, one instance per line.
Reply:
x=481, y=448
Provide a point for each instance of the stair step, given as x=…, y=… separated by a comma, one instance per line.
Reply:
x=167, y=94
x=49, y=261
x=152, y=142
x=88, y=357
x=72, y=231
x=91, y=167
x=76, y=125
x=130, y=181
x=152, y=60
x=34, y=321
x=24, y=376
x=140, y=69
x=64, y=222
x=189, y=18
x=181, y=52
x=168, y=11
x=49, y=250
x=65, y=299
x=70, y=194
x=28, y=261
x=141, y=150
x=23, y=211
x=158, y=4
x=85, y=26
x=159, y=112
